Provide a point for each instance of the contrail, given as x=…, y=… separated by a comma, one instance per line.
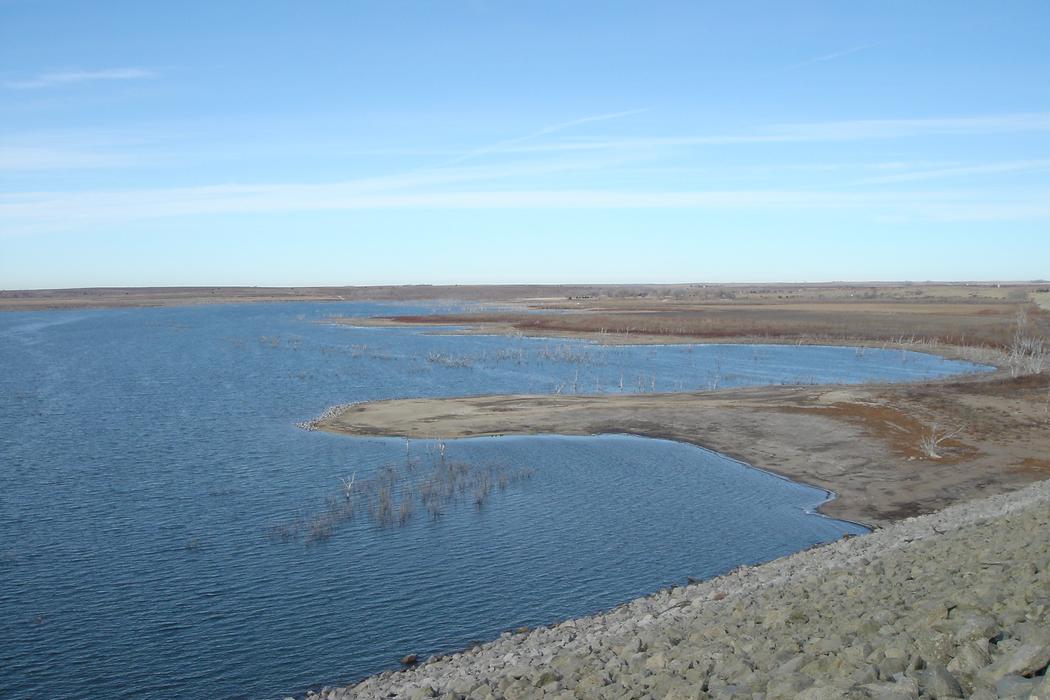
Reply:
x=553, y=128
x=826, y=57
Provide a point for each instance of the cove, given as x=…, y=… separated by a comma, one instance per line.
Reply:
x=147, y=455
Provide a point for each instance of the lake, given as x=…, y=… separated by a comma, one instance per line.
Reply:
x=160, y=510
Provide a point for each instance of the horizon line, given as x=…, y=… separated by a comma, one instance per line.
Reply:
x=379, y=285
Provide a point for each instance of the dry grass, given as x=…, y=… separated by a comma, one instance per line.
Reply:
x=1039, y=466
x=990, y=326
x=906, y=435
x=983, y=318
x=611, y=297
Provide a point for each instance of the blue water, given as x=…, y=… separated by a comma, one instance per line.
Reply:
x=147, y=456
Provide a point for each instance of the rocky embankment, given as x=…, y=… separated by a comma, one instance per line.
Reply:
x=950, y=605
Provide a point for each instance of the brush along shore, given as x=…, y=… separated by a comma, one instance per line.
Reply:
x=949, y=605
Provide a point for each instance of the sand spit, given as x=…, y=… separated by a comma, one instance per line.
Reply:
x=328, y=414
x=952, y=604
x=863, y=442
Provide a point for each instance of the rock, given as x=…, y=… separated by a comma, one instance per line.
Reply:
x=461, y=686
x=891, y=666
x=983, y=694
x=633, y=646
x=787, y=686
x=684, y=693
x=409, y=660
x=970, y=658
x=423, y=692
x=656, y=662
x=793, y=664
x=937, y=682
x=936, y=647
x=1042, y=690
x=971, y=626
x=546, y=677
x=519, y=690
x=593, y=681
x=1026, y=660
x=731, y=692
x=1014, y=687
x=891, y=691
x=822, y=692
x=865, y=674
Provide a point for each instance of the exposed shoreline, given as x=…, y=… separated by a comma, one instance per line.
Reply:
x=860, y=442
x=867, y=443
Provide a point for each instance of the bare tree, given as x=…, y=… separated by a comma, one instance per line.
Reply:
x=348, y=486
x=1027, y=353
x=931, y=442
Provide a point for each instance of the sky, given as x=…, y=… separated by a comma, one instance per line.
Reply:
x=484, y=141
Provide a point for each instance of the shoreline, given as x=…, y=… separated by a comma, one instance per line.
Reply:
x=883, y=485
x=858, y=441
x=859, y=444
x=888, y=620
x=966, y=353
x=875, y=432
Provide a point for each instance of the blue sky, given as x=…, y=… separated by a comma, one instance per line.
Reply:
x=297, y=143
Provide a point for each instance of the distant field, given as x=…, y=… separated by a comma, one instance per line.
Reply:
x=961, y=314
x=966, y=314
x=610, y=297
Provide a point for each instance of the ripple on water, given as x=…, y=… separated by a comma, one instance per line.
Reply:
x=151, y=451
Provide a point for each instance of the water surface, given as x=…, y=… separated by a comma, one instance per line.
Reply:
x=147, y=454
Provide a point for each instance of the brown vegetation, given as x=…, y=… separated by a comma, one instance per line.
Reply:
x=949, y=323
x=597, y=297
x=389, y=497
x=901, y=432
x=888, y=451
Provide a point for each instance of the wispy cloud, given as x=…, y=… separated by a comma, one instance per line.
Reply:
x=46, y=80
x=1020, y=166
x=802, y=132
x=74, y=149
x=502, y=146
x=15, y=159
x=34, y=212
x=579, y=122
x=826, y=57
x=863, y=129
x=59, y=149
